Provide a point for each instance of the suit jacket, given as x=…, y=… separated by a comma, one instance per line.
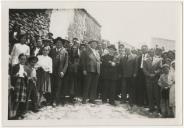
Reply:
x=90, y=62
x=32, y=51
x=128, y=66
x=148, y=67
x=107, y=69
x=59, y=60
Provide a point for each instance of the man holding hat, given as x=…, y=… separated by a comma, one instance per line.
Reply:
x=91, y=70
x=109, y=74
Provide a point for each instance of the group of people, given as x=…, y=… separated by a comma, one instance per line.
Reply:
x=56, y=71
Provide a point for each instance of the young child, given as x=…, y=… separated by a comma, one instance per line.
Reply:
x=19, y=78
x=44, y=70
x=32, y=92
x=165, y=84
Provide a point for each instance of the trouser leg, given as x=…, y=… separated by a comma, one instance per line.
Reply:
x=112, y=90
x=123, y=90
x=87, y=81
x=105, y=90
x=149, y=87
x=93, y=86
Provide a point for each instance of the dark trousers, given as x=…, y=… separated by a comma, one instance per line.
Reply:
x=32, y=94
x=109, y=90
x=153, y=91
x=140, y=86
x=56, y=88
x=127, y=86
x=90, y=86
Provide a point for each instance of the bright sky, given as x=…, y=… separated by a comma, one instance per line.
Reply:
x=137, y=23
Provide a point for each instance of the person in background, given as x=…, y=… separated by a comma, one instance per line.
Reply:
x=32, y=91
x=59, y=57
x=171, y=78
x=141, y=93
x=91, y=70
x=37, y=49
x=109, y=67
x=19, y=85
x=165, y=84
x=14, y=35
x=44, y=71
x=19, y=48
x=128, y=73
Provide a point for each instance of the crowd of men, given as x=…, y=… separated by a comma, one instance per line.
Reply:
x=50, y=71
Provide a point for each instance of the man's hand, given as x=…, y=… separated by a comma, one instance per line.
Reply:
x=134, y=75
x=61, y=74
x=84, y=72
x=152, y=75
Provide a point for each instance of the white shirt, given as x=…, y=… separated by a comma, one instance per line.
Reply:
x=157, y=59
x=36, y=51
x=142, y=60
x=95, y=52
x=45, y=62
x=17, y=50
x=21, y=71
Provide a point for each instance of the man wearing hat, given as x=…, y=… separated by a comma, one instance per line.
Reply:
x=59, y=57
x=37, y=49
x=109, y=67
x=91, y=70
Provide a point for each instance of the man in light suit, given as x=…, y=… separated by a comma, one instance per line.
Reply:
x=59, y=56
x=90, y=62
x=128, y=73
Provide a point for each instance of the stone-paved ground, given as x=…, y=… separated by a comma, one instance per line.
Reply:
x=90, y=111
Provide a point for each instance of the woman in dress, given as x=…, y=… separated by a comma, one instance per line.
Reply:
x=44, y=70
x=19, y=78
x=18, y=49
x=171, y=78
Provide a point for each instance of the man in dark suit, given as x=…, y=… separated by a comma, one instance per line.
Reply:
x=141, y=95
x=109, y=74
x=128, y=72
x=149, y=72
x=59, y=57
x=91, y=70
x=37, y=49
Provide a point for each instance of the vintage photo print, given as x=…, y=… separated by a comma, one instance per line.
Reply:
x=92, y=63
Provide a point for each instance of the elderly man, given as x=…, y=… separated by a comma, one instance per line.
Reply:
x=91, y=70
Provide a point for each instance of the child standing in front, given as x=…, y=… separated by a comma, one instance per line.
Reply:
x=165, y=85
x=19, y=78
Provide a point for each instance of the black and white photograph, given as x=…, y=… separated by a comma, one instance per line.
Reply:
x=84, y=61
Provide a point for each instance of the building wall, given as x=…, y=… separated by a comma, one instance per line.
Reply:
x=161, y=42
x=84, y=27
x=66, y=23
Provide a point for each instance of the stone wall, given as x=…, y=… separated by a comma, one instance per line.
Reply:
x=34, y=20
x=37, y=21
x=84, y=27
